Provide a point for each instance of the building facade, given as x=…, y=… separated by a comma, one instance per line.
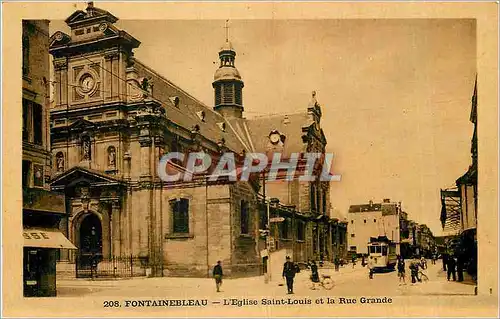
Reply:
x=373, y=220
x=459, y=206
x=42, y=209
x=113, y=120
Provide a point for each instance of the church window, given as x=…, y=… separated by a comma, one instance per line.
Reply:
x=180, y=215
x=285, y=228
x=245, y=218
x=312, y=197
x=301, y=227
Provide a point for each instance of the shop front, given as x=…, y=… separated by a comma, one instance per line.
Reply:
x=40, y=255
x=42, y=241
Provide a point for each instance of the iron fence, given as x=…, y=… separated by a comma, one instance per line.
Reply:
x=90, y=265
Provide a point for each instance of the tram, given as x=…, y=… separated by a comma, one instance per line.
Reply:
x=381, y=253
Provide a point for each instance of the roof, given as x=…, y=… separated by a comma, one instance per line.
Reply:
x=291, y=126
x=365, y=208
x=188, y=112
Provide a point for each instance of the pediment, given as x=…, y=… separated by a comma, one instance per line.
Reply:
x=82, y=124
x=81, y=175
x=92, y=14
x=59, y=38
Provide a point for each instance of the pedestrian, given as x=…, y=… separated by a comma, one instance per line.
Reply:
x=445, y=260
x=217, y=274
x=363, y=261
x=460, y=268
x=289, y=274
x=314, y=275
x=451, y=268
x=401, y=270
x=370, y=271
x=414, y=272
x=353, y=261
x=423, y=263
x=337, y=263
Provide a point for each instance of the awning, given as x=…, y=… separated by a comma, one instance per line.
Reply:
x=43, y=238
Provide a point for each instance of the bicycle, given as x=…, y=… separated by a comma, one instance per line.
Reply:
x=423, y=277
x=326, y=282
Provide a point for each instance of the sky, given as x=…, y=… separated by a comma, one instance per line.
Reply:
x=395, y=94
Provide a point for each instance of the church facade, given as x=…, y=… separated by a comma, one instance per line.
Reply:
x=114, y=118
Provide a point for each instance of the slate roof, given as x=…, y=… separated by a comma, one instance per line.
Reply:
x=186, y=113
x=290, y=125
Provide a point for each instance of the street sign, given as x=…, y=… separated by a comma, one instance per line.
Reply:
x=276, y=219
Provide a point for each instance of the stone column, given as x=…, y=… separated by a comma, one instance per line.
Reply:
x=145, y=195
x=106, y=230
x=115, y=228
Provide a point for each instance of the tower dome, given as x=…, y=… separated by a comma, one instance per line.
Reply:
x=228, y=86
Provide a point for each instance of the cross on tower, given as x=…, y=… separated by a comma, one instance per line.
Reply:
x=226, y=26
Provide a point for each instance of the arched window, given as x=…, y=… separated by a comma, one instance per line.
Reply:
x=180, y=215
x=60, y=161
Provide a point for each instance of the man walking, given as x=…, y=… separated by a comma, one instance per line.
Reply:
x=289, y=274
x=401, y=270
x=337, y=263
x=460, y=268
x=217, y=273
x=451, y=268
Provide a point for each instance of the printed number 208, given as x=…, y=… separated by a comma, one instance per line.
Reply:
x=111, y=303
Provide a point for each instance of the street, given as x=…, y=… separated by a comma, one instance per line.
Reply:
x=348, y=282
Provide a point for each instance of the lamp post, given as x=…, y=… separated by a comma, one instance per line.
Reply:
x=270, y=201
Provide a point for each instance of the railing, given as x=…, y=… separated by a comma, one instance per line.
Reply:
x=90, y=265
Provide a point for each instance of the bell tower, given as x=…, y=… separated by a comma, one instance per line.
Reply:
x=228, y=86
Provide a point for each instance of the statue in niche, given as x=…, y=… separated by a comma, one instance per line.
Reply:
x=86, y=148
x=60, y=162
x=111, y=157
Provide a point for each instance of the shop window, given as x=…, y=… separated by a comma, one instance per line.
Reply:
x=244, y=217
x=180, y=215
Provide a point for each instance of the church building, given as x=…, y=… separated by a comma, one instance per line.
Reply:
x=114, y=118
